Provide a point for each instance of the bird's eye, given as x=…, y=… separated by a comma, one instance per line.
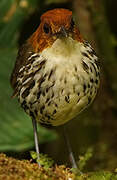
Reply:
x=72, y=23
x=46, y=28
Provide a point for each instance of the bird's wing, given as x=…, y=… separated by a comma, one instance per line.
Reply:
x=23, y=54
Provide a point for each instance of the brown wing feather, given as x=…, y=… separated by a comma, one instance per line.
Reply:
x=22, y=57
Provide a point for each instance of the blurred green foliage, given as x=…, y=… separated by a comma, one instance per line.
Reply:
x=84, y=158
x=44, y=160
x=16, y=133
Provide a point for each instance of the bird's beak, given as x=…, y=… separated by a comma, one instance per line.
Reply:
x=63, y=31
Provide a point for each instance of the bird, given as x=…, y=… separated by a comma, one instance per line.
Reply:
x=57, y=72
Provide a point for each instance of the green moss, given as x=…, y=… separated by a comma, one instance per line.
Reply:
x=13, y=169
x=97, y=176
x=83, y=159
x=44, y=160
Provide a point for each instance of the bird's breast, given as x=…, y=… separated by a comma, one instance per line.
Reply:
x=60, y=83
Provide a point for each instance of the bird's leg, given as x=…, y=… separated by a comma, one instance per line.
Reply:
x=71, y=156
x=36, y=139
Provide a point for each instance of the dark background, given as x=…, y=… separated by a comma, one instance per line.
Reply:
x=96, y=127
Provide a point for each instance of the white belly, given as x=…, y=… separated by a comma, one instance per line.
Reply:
x=66, y=88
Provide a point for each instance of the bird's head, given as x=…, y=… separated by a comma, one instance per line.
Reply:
x=56, y=23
